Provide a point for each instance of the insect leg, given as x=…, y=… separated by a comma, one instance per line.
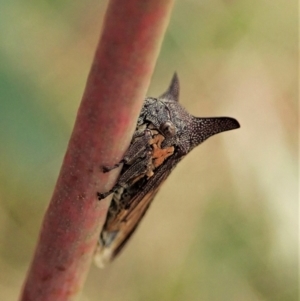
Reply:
x=136, y=149
x=132, y=174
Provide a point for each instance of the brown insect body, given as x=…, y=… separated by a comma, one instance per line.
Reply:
x=165, y=133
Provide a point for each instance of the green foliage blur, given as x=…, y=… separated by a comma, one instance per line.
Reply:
x=225, y=224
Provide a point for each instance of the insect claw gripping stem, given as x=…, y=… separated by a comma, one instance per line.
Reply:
x=106, y=169
x=103, y=195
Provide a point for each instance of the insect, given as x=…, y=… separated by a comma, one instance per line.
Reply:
x=164, y=134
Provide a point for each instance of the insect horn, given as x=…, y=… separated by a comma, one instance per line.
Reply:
x=204, y=128
x=173, y=91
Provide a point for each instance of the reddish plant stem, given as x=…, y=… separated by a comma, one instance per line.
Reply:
x=116, y=86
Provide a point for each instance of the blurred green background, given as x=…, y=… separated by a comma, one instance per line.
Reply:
x=225, y=224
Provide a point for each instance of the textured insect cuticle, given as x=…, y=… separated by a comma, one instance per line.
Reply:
x=165, y=133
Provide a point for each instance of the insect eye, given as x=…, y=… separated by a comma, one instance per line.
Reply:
x=168, y=129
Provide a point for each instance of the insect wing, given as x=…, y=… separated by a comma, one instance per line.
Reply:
x=127, y=220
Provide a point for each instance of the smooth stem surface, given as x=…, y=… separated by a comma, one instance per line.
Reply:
x=116, y=86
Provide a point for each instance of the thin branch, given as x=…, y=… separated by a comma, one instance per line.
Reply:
x=120, y=74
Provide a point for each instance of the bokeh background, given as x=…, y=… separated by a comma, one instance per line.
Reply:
x=225, y=224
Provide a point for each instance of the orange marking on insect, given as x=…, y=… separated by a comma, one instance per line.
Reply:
x=160, y=154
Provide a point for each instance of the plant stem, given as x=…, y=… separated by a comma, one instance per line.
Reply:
x=116, y=86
